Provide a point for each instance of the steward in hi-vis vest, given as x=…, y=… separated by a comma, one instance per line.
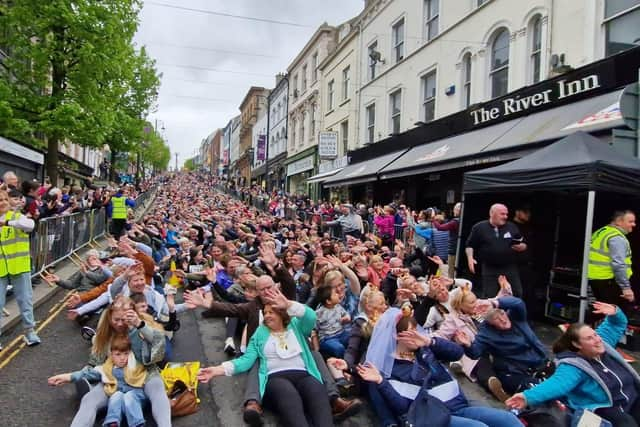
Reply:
x=15, y=264
x=609, y=268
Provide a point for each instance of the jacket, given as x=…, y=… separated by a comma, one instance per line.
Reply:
x=576, y=381
x=507, y=356
x=385, y=224
x=301, y=327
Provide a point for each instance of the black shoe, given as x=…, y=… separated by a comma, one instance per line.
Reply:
x=82, y=387
x=252, y=414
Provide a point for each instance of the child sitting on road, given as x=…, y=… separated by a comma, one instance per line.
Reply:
x=123, y=380
x=171, y=325
x=332, y=323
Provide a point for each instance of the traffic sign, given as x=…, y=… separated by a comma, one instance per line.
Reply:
x=629, y=105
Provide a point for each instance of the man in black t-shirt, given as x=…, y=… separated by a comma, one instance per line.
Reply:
x=495, y=243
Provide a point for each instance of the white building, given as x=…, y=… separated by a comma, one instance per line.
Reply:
x=259, y=146
x=234, y=146
x=425, y=59
x=305, y=119
x=339, y=76
x=278, y=119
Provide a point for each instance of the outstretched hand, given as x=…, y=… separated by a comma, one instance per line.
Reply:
x=603, y=308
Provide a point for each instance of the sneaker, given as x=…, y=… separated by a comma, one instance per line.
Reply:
x=87, y=333
x=82, y=387
x=495, y=386
x=31, y=338
x=456, y=367
x=229, y=347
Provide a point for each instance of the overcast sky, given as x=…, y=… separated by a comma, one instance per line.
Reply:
x=195, y=100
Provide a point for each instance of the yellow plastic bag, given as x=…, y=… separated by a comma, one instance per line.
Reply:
x=187, y=372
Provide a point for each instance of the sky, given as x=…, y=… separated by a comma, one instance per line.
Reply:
x=209, y=61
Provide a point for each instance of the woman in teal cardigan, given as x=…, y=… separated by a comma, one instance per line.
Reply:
x=591, y=374
x=290, y=382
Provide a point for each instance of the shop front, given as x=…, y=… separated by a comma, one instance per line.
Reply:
x=424, y=166
x=277, y=172
x=26, y=162
x=299, y=169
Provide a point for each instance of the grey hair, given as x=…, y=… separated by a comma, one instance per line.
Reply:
x=92, y=252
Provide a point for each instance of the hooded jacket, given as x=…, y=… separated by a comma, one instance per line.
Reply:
x=576, y=381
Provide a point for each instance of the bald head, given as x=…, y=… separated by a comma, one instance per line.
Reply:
x=498, y=214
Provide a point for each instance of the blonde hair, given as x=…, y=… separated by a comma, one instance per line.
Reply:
x=104, y=331
x=458, y=298
x=332, y=275
x=367, y=328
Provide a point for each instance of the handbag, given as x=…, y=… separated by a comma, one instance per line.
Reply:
x=182, y=399
x=427, y=411
x=549, y=414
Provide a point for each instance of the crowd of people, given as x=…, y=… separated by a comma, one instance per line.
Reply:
x=322, y=321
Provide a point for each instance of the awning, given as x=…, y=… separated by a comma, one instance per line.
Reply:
x=322, y=176
x=358, y=173
x=508, y=140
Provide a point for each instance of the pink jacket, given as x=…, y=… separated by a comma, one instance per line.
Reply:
x=454, y=322
x=385, y=224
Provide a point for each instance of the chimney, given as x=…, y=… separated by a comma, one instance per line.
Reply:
x=279, y=78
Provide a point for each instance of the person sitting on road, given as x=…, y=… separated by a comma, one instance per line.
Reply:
x=401, y=362
x=91, y=274
x=333, y=323
x=147, y=346
x=519, y=358
x=289, y=379
x=123, y=380
x=591, y=374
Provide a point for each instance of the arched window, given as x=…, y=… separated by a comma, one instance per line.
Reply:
x=466, y=80
x=499, y=73
x=535, y=46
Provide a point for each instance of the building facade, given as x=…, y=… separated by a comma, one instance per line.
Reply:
x=234, y=150
x=259, y=147
x=254, y=102
x=278, y=119
x=305, y=119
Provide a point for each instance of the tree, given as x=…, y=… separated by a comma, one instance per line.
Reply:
x=189, y=164
x=71, y=63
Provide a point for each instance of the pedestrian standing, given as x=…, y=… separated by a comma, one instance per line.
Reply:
x=118, y=204
x=15, y=264
x=610, y=261
x=452, y=226
x=495, y=243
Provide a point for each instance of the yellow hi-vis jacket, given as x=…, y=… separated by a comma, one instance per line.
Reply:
x=599, y=256
x=15, y=257
x=119, y=208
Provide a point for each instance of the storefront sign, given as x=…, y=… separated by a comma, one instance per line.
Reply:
x=329, y=166
x=328, y=145
x=435, y=154
x=262, y=155
x=301, y=165
x=560, y=90
x=19, y=151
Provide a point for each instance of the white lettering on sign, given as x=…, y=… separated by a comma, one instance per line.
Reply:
x=518, y=105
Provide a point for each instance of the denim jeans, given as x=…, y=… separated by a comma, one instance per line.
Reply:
x=128, y=404
x=335, y=345
x=24, y=296
x=480, y=416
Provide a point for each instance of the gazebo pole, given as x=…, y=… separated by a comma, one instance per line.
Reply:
x=584, y=280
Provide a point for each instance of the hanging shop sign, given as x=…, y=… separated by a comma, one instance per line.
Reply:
x=328, y=145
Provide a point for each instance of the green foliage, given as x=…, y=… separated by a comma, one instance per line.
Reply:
x=73, y=74
x=189, y=164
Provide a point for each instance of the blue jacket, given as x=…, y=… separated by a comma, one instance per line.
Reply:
x=509, y=354
x=575, y=380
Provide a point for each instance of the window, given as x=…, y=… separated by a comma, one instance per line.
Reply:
x=398, y=40
x=293, y=134
x=312, y=127
x=481, y=2
x=431, y=15
x=345, y=82
x=302, y=123
x=622, y=22
x=295, y=86
x=395, y=107
x=536, y=48
x=314, y=67
x=371, y=123
x=344, y=135
x=372, y=52
x=429, y=96
x=466, y=80
x=304, y=78
x=330, y=89
x=500, y=63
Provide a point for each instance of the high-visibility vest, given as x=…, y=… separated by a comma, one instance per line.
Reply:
x=15, y=257
x=600, y=257
x=119, y=208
